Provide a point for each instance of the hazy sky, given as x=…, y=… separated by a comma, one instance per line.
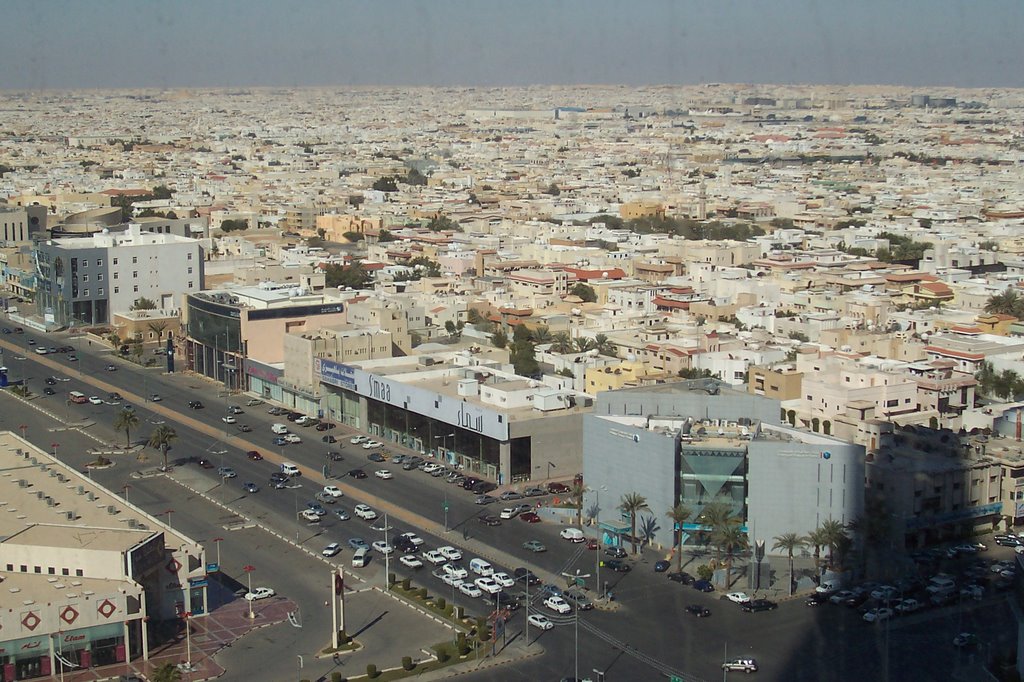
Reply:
x=171, y=43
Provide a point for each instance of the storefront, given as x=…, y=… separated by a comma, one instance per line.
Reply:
x=45, y=655
x=262, y=379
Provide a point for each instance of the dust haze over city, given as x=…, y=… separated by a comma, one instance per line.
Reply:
x=512, y=341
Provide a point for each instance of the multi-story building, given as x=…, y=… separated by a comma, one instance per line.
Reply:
x=83, y=280
x=695, y=442
x=465, y=408
x=87, y=576
x=779, y=381
x=19, y=225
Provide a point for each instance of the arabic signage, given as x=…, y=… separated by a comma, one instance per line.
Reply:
x=450, y=409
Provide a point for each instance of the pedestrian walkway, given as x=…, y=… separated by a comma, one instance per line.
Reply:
x=209, y=635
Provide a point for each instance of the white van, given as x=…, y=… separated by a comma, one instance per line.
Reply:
x=361, y=557
x=289, y=469
x=279, y=429
x=481, y=567
x=572, y=534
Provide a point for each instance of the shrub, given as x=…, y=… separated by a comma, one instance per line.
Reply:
x=406, y=584
x=392, y=579
x=440, y=603
x=407, y=663
x=442, y=655
x=423, y=593
x=705, y=572
x=371, y=671
x=336, y=677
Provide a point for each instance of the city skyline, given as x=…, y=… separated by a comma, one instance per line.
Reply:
x=111, y=44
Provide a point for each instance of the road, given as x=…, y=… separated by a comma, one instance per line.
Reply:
x=792, y=643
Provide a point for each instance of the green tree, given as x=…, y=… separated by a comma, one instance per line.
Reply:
x=553, y=190
x=717, y=515
x=679, y=515
x=161, y=439
x=353, y=276
x=541, y=335
x=385, y=236
x=789, y=542
x=1005, y=303
x=561, y=343
x=168, y=672
x=605, y=346
x=583, y=344
x=523, y=357
x=633, y=504
x=442, y=223
x=452, y=329
x=576, y=493
x=732, y=540
x=499, y=338
x=473, y=316
x=232, y=225
x=126, y=420
x=388, y=183
x=430, y=268
x=415, y=177
x=584, y=291
x=143, y=303
x=816, y=539
x=833, y=533
x=158, y=327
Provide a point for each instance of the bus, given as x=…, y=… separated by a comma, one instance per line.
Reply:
x=78, y=398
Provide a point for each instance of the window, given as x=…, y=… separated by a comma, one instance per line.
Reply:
x=99, y=263
x=906, y=401
x=100, y=292
x=135, y=288
x=99, y=277
x=38, y=569
x=892, y=403
x=117, y=290
x=135, y=274
x=85, y=278
x=78, y=572
x=190, y=255
x=24, y=568
x=115, y=275
x=51, y=570
x=190, y=284
x=115, y=261
x=135, y=259
x=190, y=269
x=65, y=571
x=85, y=292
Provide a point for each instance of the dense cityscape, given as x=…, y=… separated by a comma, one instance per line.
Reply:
x=512, y=383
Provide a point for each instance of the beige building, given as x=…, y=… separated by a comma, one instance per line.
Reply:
x=86, y=575
x=782, y=382
x=344, y=345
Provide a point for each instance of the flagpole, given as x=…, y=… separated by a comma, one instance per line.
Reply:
x=334, y=607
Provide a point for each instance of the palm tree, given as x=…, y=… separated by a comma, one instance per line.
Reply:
x=158, y=328
x=833, y=533
x=562, y=342
x=633, y=504
x=583, y=344
x=168, y=672
x=1006, y=303
x=679, y=514
x=541, y=335
x=576, y=492
x=126, y=420
x=789, y=542
x=161, y=438
x=605, y=346
x=816, y=539
x=717, y=515
x=732, y=539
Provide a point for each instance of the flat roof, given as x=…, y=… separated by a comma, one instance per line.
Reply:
x=19, y=588
x=38, y=490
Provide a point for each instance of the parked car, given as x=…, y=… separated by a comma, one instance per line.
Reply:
x=331, y=549
x=615, y=552
x=534, y=492
x=484, y=499
x=907, y=606
x=878, y=615
x=511, y=495
x=755, y=605
x=410, y=561
x=558, y=488
x=681, y=577
x=737, y=597
x=371, y=444
x=617, y=566
x=489, y=520
x=259, y=593
x=703, y=586
x=661, y=566
x=529, y=517
x=698, y=610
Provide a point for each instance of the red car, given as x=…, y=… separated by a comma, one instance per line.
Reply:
x=558, y=488
x=254, y=455
x=593, y=544
x=205, y=463
x=529, y=517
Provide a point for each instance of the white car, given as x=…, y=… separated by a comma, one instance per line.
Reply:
x=557, y=604
x=470, y=590
x=292, y=438
x=908, y=606
x=451, y=580
x=371, y=444
x=434, y=557
x=488, y=585
x=456, y=570
x=539, y=621
x=364, y=512
x=333, y=491
x=509, y=512
x=450, y=553
x=411, y=561
x=878, y=615
x=503, y=579
x=738, y=597
x=383, y=474
x=383, y=547
x=885, y=592
x=260, y=593
x=331, y=550
x=310, y=516
x=229, y=419
x=356, y=440
x=413, y=538
x=431, y=467
x=95, y=400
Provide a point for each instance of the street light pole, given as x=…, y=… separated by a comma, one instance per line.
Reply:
x=387, y=556
x=218, y=541
x=575, y=577
x=248, y=573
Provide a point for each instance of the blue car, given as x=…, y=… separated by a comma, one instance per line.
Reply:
x=280, y=441
x=703, y=586
x=316, y=508
x=358, y=543
x=251, y=488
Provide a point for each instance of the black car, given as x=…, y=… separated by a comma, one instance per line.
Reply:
x=1007, y=540
x=698, y=610
x=329, y=439
x=755, y=605
x=615, y=552
x=376, y=457
x=661, y=566
x=116, y=396
x=817, y=599
x=49, y=391
x=682, y=578
x=195, y=405
x=357, y=473
x=507, y=601
x=855, y=600
x=324, y=426
x=483, y=487
x=404, y=545
x=468, y=482
x=50, y=381
x=525, y=575
x=489, y=520
x=617, y=566
x=334, y=456
x=293, y=416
